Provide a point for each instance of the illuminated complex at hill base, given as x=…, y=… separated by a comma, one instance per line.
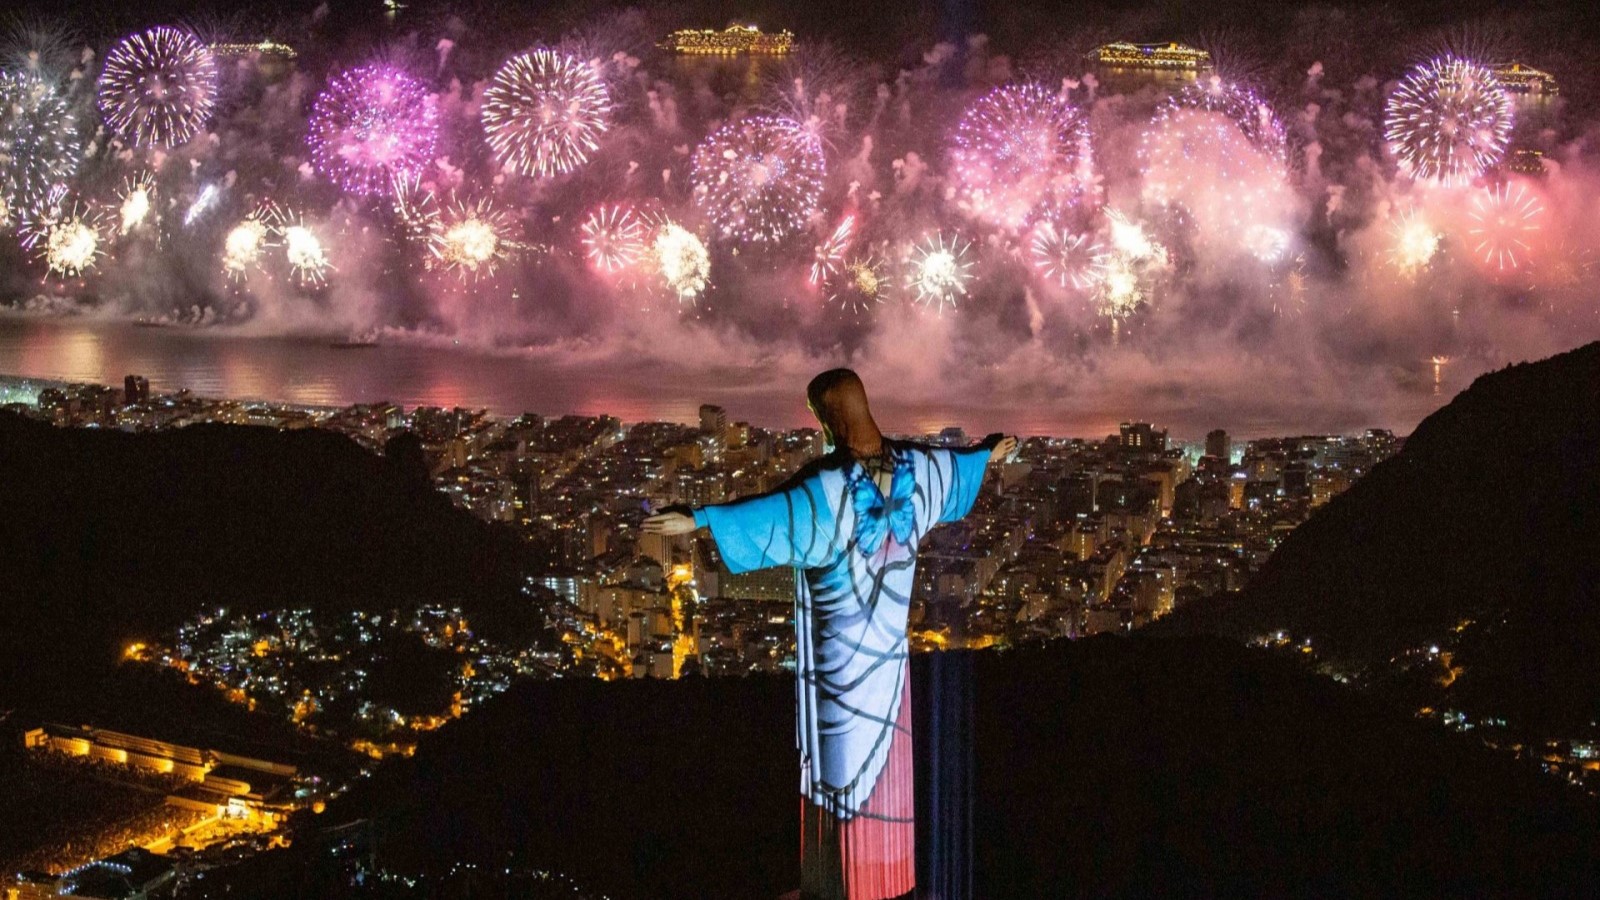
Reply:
x=735, y=39
x=1169, y=56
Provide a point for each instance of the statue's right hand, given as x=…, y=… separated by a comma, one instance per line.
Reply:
x=669, y=523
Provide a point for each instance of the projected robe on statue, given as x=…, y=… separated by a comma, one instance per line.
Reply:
x=855, y=539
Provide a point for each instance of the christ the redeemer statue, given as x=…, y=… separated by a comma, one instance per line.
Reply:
x=851, y=522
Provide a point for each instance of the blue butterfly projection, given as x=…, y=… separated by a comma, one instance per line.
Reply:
x=877, y=516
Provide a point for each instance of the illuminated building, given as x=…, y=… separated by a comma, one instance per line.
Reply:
x=567, y=587
x=133, y=874
x=1142, y=437
x=731, y=41
x=713, y=419
x=1327, y=484
x=1236, y=486
x=135, y=389
x=1517, y=78
x=221, y=775
x=773, y=585
x=1164, y=57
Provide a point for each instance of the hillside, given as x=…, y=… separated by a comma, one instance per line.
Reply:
x=1483, y=535
x=111, y=536
x=1105, y=767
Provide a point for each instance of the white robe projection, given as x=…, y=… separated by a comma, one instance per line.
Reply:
x=856, y=547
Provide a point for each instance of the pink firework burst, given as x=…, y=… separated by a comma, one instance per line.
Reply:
x=545, y=113
x=1216, y=153
x=1506, y=220
x=1016, y=147
x=1070, y=259
x=371, y=127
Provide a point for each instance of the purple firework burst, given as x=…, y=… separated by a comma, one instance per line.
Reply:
x=1015, y=147
x=759, y=179
x=372, y=125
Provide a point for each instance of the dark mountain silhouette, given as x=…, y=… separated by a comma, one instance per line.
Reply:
x=1489, y=516
x=108, y=537
x=1106, y=767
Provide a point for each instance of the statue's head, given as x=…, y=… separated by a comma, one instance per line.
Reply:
x=839, y=401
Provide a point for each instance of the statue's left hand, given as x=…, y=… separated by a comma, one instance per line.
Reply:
x=1002, y=449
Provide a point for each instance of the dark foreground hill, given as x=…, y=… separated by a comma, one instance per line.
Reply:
x=1108, y=767
x=109, y=536
x=1489, y=516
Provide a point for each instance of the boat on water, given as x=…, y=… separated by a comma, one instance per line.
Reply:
x=357, y=342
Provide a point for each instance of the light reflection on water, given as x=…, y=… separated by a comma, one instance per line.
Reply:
x=310, y=371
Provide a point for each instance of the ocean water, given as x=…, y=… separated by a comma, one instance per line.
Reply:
x=213, y=362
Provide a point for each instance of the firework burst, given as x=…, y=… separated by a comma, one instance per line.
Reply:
x=205, y=201
x=545, y=112
x=1414, y=242
x=613, y=238
x=416, y=208
x=470, y=238
x=1505, y=221
x=1134, y=261
x=136, y=202
x=859, y=285
x=1243, y=107
x=372, y=128
x=244, y=245
x=1267, y=243
x=828, y=256
x=39, y=146
x=1068, y=259
x=1448, y=121
x=819, y=86
x=1217, y=152
x=38, y=45
x=681, y=259
x=304, y=251
x=939, y=271
x=71, y=241
x=758, y=179
x=1017, y=147
x=158, y=87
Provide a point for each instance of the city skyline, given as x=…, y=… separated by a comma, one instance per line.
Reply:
x=25, y=390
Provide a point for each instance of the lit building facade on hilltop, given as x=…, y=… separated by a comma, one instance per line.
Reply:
x=731, y=41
